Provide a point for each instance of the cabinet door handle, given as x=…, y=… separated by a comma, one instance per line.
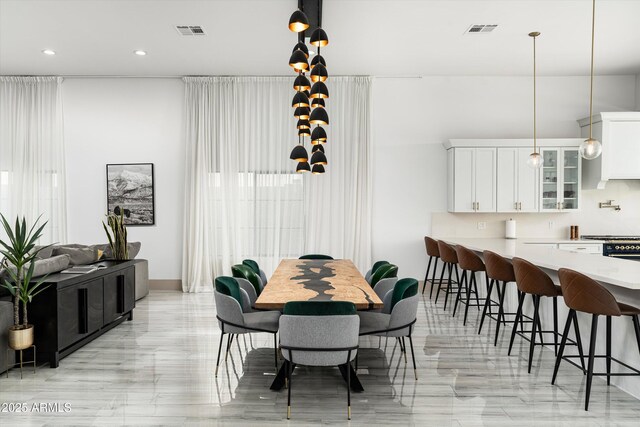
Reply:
x=120, y=294
x=519, y=206
x=83, y=311
x=516, y=203
x=477, y=206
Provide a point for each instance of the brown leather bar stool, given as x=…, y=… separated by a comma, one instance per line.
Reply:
x=581, y=293
x=450, y=259
x=434, y=255
x=499, y=269
x=531, y=280
x=471, y=263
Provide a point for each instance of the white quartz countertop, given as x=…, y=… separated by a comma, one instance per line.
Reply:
x=618, y=272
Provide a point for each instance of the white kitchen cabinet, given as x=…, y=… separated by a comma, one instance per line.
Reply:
x=472, y=179
x=517, y=183
x=589, y=248
x=560, y=179
x=619, y=133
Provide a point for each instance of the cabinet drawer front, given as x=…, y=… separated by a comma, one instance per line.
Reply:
x=119, y=294
x=591, y=248
x=79, y=312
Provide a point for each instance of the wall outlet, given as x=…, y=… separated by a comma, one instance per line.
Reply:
x=482, y=225
x=551, y=225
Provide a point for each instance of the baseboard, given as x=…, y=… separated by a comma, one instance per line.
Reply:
x=166, y=285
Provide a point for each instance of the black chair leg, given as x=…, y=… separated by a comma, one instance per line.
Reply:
x=413, y=358
x=349, y=384
x=472, y=282
x=534, y=325
x=433, y=277
x=426, y=276
x=563, y=342
x=475, y=288
x=219, y=351
x=608, y=340
x=501, y=317
x=229, y=340
x=636, y=327
x=515, y=321
x=275, y=350
x=404, y=349
x=459, y=293
x=578, y=340
x=448, y=291
x=289, y=372
x=444, y=267
x=486, y=304
x=592, y=351
x=555, y=326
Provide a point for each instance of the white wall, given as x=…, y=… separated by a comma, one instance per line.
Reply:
x=122, y=120
x=638, y=92
x=413, y=116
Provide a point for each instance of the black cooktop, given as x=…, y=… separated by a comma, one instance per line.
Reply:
x=610, y=237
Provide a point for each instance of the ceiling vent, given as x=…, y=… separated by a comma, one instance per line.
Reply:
x=190, y=30
x=481, y=28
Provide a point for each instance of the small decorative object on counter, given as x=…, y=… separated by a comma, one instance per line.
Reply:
x=510, y=229
x=575, y=232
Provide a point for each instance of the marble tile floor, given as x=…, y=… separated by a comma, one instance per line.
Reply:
x=158, y=370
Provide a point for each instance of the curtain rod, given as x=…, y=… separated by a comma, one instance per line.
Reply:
x=91, y=76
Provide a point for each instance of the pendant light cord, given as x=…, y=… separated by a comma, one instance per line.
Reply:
x=593, y=37
x=535, y=145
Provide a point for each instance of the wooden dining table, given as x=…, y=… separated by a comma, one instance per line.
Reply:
x=317, y=280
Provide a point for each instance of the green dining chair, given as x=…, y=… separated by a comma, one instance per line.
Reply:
x=256, y=269
x=383, y=272
x=315, y=256
x=373, y=269
x=244, y=272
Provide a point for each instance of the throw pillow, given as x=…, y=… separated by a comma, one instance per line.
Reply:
x=78, y=256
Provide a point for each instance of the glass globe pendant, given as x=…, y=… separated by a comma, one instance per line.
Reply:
x=590, y=148
x=535, y=161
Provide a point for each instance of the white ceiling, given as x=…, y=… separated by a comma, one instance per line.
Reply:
x=372, y=37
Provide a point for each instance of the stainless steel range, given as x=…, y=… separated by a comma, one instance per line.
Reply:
x=625, y=247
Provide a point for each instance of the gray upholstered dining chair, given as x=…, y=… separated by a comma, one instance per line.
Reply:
x=234, y=316
x=256, y=269
x=397, y=317
x=373, y=268
x=319, y=333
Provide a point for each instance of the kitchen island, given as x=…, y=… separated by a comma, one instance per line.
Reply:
x=621, y=277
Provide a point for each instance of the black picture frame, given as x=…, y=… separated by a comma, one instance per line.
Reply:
x=131, y=188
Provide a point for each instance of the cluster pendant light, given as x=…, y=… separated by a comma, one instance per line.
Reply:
x=535, y=160
x=591, y=148
x=311, y=92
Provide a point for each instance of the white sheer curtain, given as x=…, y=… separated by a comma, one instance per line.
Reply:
x=243, y=198
x=32, y=168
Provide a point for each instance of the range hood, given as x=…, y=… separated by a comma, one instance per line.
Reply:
x=619, y=133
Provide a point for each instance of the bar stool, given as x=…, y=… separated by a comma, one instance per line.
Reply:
x=499, y=269
x=531, y=280
x=581, y=293
x=434, y=255
x=450, y=259
x=472, y=263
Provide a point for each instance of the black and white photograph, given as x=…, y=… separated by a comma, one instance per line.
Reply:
x=130, y=191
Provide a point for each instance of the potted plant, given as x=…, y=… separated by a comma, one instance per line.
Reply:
x=118, y=236
x=19, y=252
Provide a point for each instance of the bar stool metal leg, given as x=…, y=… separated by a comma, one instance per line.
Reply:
x=563, y=342
x=433, y=277
x=536, y=318
x=444, y=267
x=426, y=276
x=486, y=304
x=516, y=320
x=592, y=350
x=608, y=349
x=500, y=312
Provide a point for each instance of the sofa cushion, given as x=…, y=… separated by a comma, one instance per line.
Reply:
x=77, y=256
x=44, y=251
x=133, y=247
x=44, y=266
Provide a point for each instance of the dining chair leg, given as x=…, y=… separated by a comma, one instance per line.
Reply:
x=219, y=351
x=444, y=267
x=486, y=304
x=404, y=349
x=349, y=384
x=466, y=284
x=413, y=357
x=275, y=350
x=592, y=351
x=433, y=278
x=229, y=340
x=500, y=312
x=289, y=372
x=636, y=327
x=608, y=342
x=532, y=343
x=563, y=342
x=578, y=340
x=515, y=321
x=555, y=326
x=426, y=276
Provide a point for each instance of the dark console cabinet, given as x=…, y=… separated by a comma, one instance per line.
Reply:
x=77, y=308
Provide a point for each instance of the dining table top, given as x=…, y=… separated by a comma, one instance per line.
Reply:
x=317, y=280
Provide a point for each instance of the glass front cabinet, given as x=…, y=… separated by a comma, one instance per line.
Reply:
x=560, y=178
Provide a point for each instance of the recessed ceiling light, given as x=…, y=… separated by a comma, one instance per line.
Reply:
x=140, y=52
x=48, y=52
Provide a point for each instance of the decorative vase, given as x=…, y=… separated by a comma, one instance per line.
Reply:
x=20, y=337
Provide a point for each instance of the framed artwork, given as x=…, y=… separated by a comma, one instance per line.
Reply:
x=130, y=190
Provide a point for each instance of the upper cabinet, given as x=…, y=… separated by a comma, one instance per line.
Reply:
x=493, y=176
x=472, y=180
x=619, y=134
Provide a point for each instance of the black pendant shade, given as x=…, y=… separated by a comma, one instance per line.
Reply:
x=303, y=167
x=303, y=124
x=302, y=83
x=319, y=116
x=302, y=113
x=319, y=38
x=318, y=59
x=298, y=21
x=298, y=61
x=317, y=102
x=304, y=132
x=300, y=99
x=318, y=136
x=318, y=158
x=317, y=147
x=303, y=47
x=319, y=73
x=299, y=154
x=319, y=90
x=317, y=169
